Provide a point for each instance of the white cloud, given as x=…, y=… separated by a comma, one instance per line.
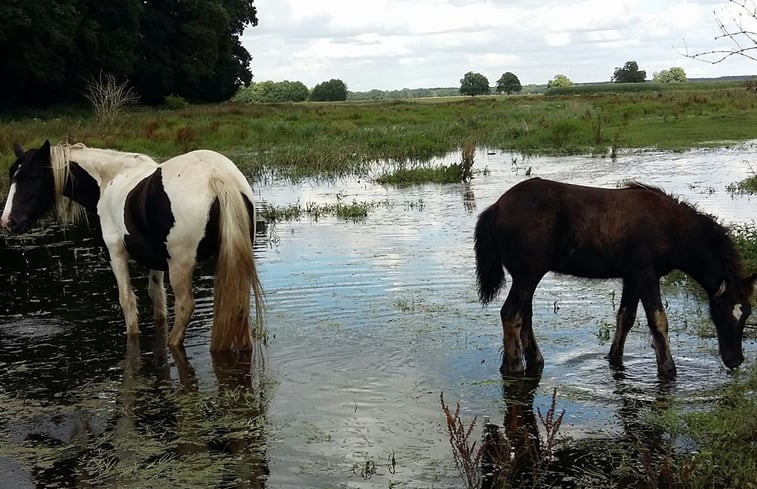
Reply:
x=391, y=44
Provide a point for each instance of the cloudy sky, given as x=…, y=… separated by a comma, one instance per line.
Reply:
x=395, y=44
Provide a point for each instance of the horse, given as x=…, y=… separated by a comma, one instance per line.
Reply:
x=167, y=217
x=637, y=233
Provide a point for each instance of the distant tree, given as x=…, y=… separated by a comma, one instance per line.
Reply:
x=559, y=81
x=508, y=83
x=674, y=75
x=330, y=91
x=474, y=84
x=629, y=73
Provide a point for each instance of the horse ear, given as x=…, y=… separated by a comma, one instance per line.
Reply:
x=18, y=150
x=43, y=153
x=721, y=290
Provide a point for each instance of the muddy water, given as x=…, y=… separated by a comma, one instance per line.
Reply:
x=368, y=323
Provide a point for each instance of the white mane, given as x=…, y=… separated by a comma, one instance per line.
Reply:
x=60, y=158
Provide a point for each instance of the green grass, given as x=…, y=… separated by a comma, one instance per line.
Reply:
x=422, y=174
x=748, y=185
x=356, y=211
x=745, y=238
x=299, y=140
x=725, y=437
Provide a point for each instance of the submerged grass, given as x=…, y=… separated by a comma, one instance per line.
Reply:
x=355, y=211
x=332, y=139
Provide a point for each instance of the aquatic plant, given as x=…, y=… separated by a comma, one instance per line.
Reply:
x=507, y=457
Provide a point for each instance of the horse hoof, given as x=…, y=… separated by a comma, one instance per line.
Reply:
x=511, y=370
x=667, y=372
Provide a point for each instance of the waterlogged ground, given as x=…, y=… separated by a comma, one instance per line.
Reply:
x=368, y=323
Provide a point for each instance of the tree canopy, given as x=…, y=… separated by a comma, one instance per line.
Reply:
x=474, y=84
x=329, y=91
x=188, y=48
x=629, y=73
x=674, y=75
x=508, y=83
x=271, y=92
x=559, y=81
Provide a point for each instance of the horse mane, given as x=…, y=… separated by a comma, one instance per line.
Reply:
x=644, y=186
x=68, y=210
x=717, y=238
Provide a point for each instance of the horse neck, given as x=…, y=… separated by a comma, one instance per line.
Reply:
x=104, y=165
x=712, y=261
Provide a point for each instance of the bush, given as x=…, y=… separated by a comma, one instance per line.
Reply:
x=175, y=102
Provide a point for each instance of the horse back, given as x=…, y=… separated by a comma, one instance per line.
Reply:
x=591, y=232
x=174, y=212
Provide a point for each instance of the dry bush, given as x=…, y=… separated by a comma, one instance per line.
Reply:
x=108, y=97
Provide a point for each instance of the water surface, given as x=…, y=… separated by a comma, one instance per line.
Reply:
x=368, y=322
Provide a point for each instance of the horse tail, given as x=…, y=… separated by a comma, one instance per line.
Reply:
x=489, y=271
x=235, y=273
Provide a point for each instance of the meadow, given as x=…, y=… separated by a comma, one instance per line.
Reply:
x=328, y=139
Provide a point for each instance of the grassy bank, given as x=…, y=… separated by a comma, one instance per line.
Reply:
x=298, y=140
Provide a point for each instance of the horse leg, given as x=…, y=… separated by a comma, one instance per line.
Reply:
x=534, y=359
x=180, y=276
x=126, y=297
x=629, y=303
x=658, y=325
x=517, y=306
x=157, y=292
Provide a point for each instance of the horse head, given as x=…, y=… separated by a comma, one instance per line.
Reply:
x=31, y=191
x=730, y=307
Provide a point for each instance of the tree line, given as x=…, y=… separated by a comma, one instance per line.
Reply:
x=474, y=83
x=189, y=48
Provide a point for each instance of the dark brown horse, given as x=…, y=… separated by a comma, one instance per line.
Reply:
x=637, y=233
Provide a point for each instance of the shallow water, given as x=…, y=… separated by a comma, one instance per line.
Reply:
x=368, y=323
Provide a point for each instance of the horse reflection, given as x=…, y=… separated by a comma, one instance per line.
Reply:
x=525, y=452
x=214, y=436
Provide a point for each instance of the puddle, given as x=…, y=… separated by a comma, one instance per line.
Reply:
x=368, y=323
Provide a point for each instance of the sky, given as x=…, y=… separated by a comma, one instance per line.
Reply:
x=395, y=44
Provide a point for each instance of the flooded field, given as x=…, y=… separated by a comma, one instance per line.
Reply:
x=368, y=322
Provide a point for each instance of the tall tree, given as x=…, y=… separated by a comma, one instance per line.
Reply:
x=474, y=84
x=629, y=73
x=508, y=83
x=35, y=50
x=190, y=48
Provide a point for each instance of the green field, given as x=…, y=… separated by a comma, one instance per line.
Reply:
x=303, y=139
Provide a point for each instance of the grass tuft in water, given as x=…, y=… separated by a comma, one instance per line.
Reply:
x=356, y=211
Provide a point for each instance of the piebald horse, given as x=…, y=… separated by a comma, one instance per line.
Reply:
x=166, y=217
x=637, y=233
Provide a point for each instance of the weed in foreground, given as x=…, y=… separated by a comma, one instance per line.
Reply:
x=508, y=457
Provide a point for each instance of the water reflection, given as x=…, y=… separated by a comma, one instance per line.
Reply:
x=149, y=428
x=528, y=449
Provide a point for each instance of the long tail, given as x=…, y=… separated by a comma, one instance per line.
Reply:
x=235, y=274
x=489, y=271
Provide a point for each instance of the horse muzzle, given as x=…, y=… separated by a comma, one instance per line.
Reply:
x=733, y=360
x=10, y=225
